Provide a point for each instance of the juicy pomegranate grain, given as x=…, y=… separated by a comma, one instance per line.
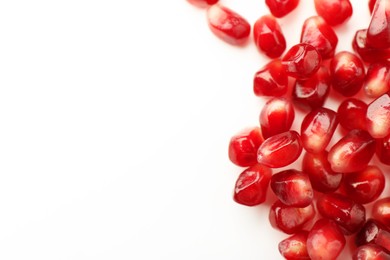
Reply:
x=370, y=252
x=378, y=32
x=374, y=233
x=276, y=117
x=280, y=8
x=352, y=153
x=367, y=53
x=252, y=185
x=244, y=145
x=325, y=240
x=289, y=219
x=321, y=175
x=228, y=25
x=302, y=61
x=294, y=247
x=292, y=188
x=381, y=211
x=319, y=34
x=383, y=150
x=378, y=117
x=268, y=36
x=317, y=129
x=334, y=12
x=271, y=80
x=203, y=3
x=377, y=79
x=352, y=114
x=280, y=150
x=347, y=73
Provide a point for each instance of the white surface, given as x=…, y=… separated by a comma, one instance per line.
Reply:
x=114, y=123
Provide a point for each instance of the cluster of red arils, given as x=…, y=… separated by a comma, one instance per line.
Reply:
x=332, y=185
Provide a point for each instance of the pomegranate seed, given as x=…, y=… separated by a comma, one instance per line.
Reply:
x=364, y=186
x=321, y=175
x=348, y=214
x=377, y=79
x=280, y=150
x=289, y=219
x=228, y=25
x=244, y=145
x=373, y=232
x=371, y=4
x=280, y=8
x=312, y=93
x=352, y=114
x=370, y=252
x=378, y=32
x=203, y=3
x=276, y=117
x=352, y=153
x=269, y=37
x=320, y=35
x=334, y=12
x=325, y=240
x=381, y=211
x=317, y=129
x=383, y=150
x=367, y=53
x=294, y=247
x=252, y=184
x=378, y=117
x=347, y=72
x=271, y=80
x=292, y=188
x=302, y=61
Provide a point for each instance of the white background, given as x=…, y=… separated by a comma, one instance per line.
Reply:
x=114, y=122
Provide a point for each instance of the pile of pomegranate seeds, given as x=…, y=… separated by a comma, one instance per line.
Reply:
x=337, y=192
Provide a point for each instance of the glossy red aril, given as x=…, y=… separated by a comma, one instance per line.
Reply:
x=378, y=32
x=381, y=211
x=203, y=3
x=373, y=232
x=347, y=72
x=289, y=219
x=383, y=150
x=294, y=247
x=292, y=188
x=276, y=117
x=302, y=61
x=378, y=117
x=252, y=185
x=352, y=114
x=371, y=4
x=325, y=240
x=377, y=79
x=280, y=8
x=280, y=150
x=367, y=53
x=319, y=34
x=353, y=152
x=228, y=25
x=349, y=215
x=317, y=129
x=321, y=175
x=244, y=145
x=364, y=186
x=312, y=93
x=334, y=12
x=271, y=80
x=370, y=252
x=268, y=36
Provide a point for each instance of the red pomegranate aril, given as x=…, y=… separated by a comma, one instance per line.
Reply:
x=289, y=219
x=378, y=117
x=353, y=152
x=377, y=79
x=364, y=186
x=280, y=150
x=334, y=12
x=317, y=129
x=280, y=8
x=347, y=72
x=367, y=53
x=370, y=252
x=244, y=145
x=352, y=114
x=203, y=3
x=321, y=175
x=312, y=93
x=271, y=80
x=268, y=36
x=371, y=4
x=302, y=61
x=378, y=32
x=252, y=185
x=294, y=247
x=325, y=240
x=373, y=232
x=292, y=188
x=228, y=25
x=276, y=117
x=383, y=150
x=319, y=34
x=381, y=211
